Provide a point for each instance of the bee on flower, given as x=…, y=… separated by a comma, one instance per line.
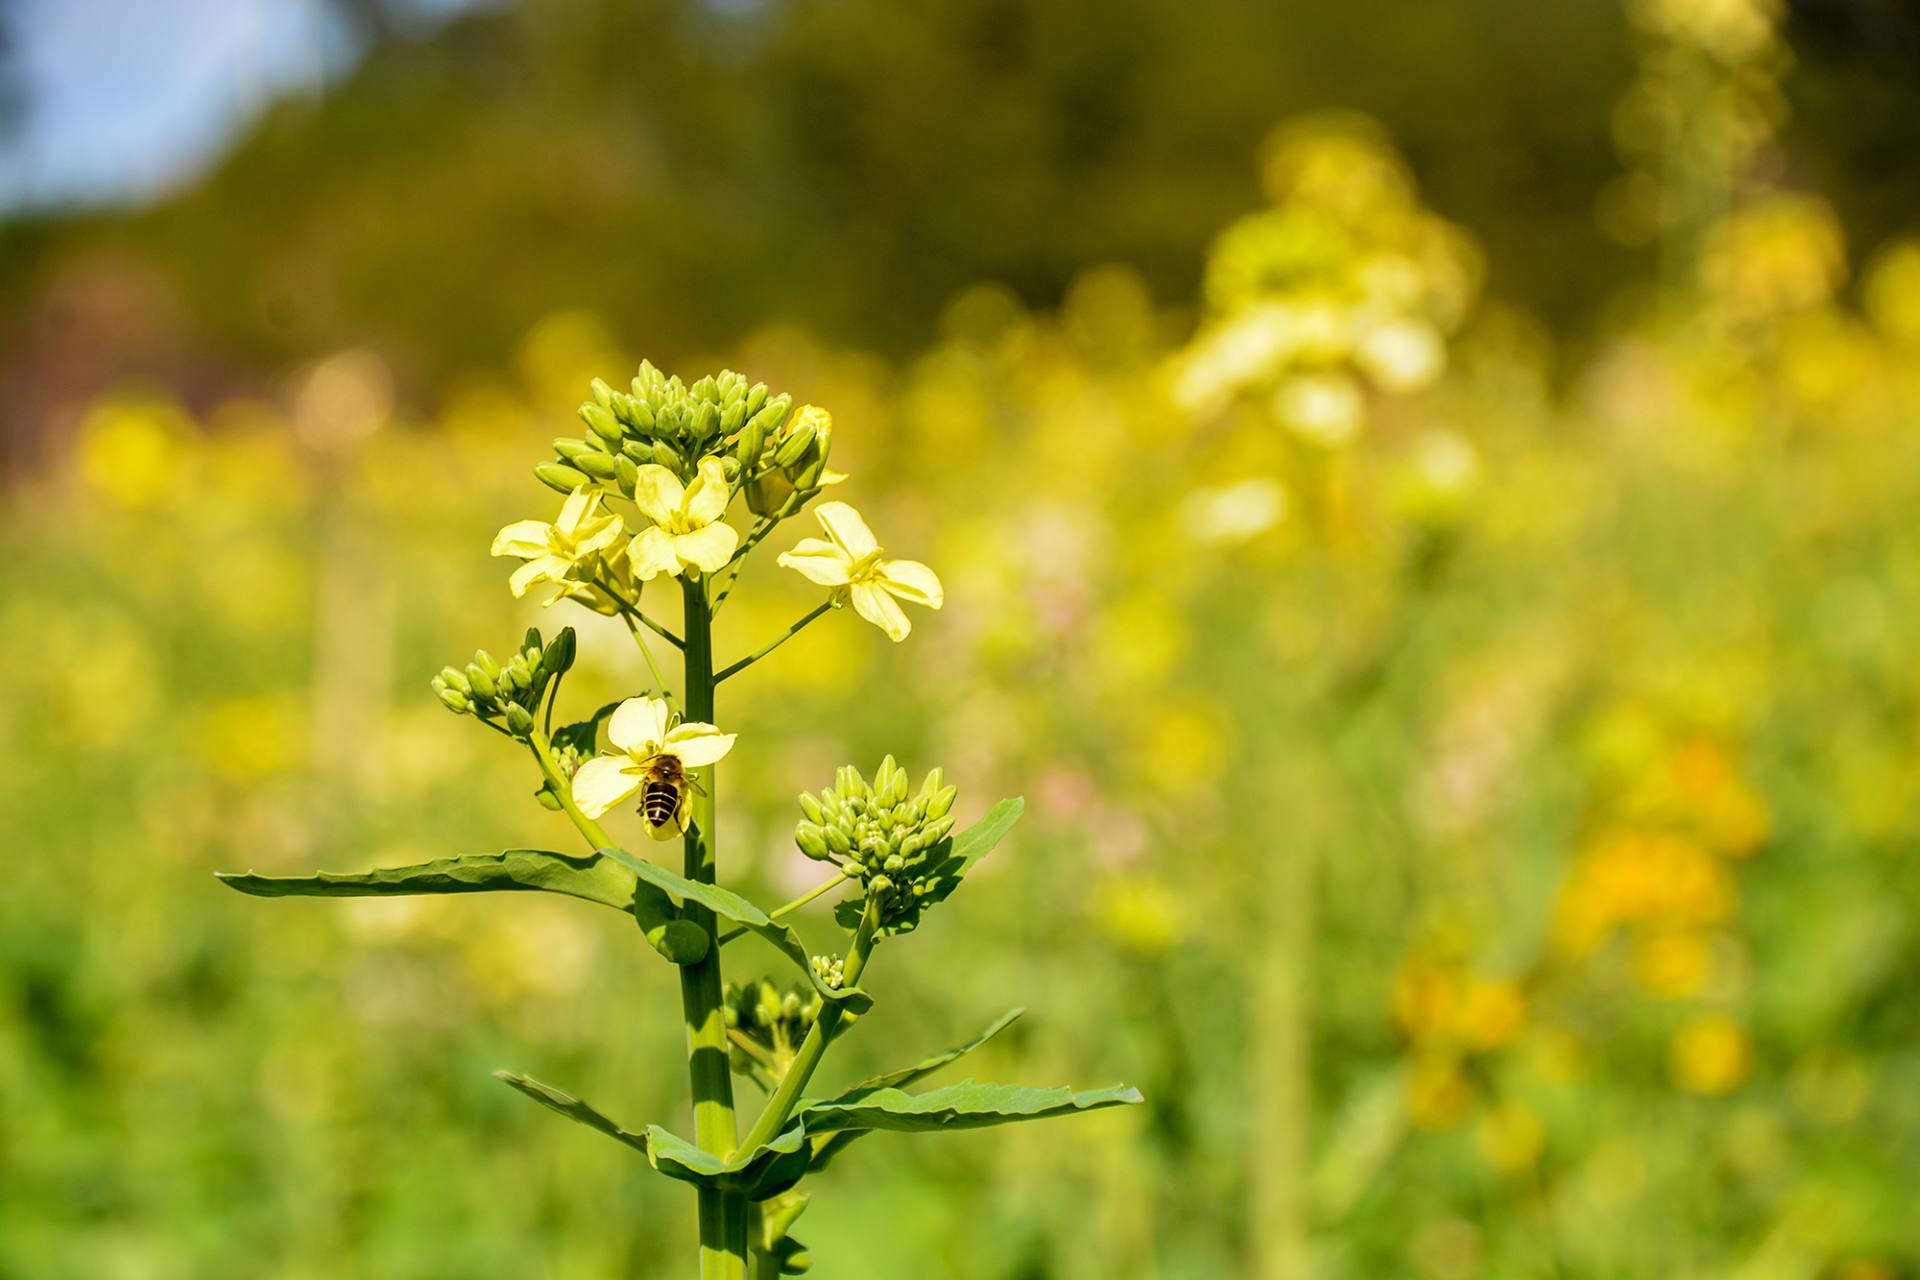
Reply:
x=654, y=759
x=850, y=559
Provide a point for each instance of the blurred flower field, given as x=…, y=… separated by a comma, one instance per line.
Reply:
x=1471, y=777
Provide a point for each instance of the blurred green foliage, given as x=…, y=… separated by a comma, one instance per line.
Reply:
x=1470, y=760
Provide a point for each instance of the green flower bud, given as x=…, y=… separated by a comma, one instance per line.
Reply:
x=556, y=476
x=602, y=394
x=596, y=464
x=914, y=842
x=894, y=865
x=519, y=720
x=732, y=416
x=515, y=677
x=641, y=451
x=748, y=447
x=455, y=701
x=557, y=658
x=666, y=455
x=569, y=448
x=795, y=446
x=547, y=799
x=625, y=474
x=454, y=680
x=484, y=660
x=942, y=802
x=602, y=423
x=837, y=841
x=755, y=398
x=810, y=806
x=705, y=389
x=480, y=682
x=937, y=831
x=730, y=467
x=880, y=886
x=811, y=839
x=706, y=422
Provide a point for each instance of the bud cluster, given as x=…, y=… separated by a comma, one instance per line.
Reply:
x=506, y=694
x=664, y=422
x=875, y=832
x=766, y=1024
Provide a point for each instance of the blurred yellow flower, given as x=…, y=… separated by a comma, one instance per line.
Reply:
x=850, y=557
x=1438, y=1093
x=687, y=529
x=654, y=752
x=1711, y=1055
x=553, y=552
x=133, y=452
x=1672, y=964
x=1510, y=1136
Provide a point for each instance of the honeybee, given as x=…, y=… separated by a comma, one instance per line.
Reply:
x=665, y=796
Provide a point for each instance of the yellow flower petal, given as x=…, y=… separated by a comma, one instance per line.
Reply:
x=871, y=601
x=652, y=554
x=848, y=531
x=576, y=509
x=523, y=538
x=658, y=493
x=544, y=569
x=697, y=744
x=710, y=548
x=597, y=536
x=706, y=498
x=912, y=582
x=638, y=726
x=604, y=782
x=819, y=561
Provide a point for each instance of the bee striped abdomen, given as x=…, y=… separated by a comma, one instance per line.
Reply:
x=659, y=802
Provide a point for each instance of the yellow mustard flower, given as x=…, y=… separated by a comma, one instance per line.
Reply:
x=850, y=557
x=687, y=528
x=553, y=552
x=654, y=755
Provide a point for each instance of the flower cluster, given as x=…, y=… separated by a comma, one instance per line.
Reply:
x=680, y=455
x=896, y=846
x=506, y=694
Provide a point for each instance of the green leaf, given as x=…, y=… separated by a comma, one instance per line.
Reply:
x=572, y=1108
x=731, y=906
x=947, y=864
x=765, y=1171
x=589, y=876
x=921, y=1070
x=833, y=1144
x=959, y=1106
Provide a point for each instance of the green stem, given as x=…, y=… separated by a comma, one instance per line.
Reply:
x=723, y=1215
x=793, y=906
x=775, y=643
x=654, y=627
x=780, y=1106
x=646, y=651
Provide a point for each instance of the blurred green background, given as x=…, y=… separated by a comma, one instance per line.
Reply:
x=1426, y=499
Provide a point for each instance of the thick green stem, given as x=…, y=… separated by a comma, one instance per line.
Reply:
x=780, y=1106
x=723, y=1216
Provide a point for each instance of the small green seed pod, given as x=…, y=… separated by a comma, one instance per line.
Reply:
x=557, y=658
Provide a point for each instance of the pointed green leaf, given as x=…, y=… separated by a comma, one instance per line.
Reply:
x=572, y=1108
x=591, y=876
x=588, y=876
x=959, y=1106
x=731, y=906
x=921, y=1070
x=825, y=1149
